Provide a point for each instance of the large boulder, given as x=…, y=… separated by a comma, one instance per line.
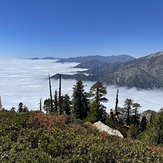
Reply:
x=102, y=127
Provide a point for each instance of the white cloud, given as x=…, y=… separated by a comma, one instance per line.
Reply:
x=27, y=81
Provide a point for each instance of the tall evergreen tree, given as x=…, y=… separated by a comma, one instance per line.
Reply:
x=20, y=107
x=97, y=109
x=67, y=104
x=135, y=116
x=129, y=113
x=128, y=106
x=79, y=101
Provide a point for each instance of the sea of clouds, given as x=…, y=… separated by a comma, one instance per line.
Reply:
x=25, y=80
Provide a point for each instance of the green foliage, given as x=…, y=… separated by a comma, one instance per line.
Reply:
x=133, y=131
x=47, y=105
x=67, y=104
x=22, y=107
x=129, y=114
x=79, y=101
x=143, y=124
x=154, y=131
x=97, y=109
x=37, y=138
x=127, y=104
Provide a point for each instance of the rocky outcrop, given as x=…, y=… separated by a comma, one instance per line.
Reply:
x=148, y=114
x=102, y=127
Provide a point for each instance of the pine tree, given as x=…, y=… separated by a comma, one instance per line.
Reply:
x=20, y=107
x=135, y=116
x=47, y=105
x=128, y=106
x=79, y=101
x=67, y=104
x=97, y=109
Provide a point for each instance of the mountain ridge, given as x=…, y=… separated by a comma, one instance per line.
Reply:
x=144, y=72
x=103, y=59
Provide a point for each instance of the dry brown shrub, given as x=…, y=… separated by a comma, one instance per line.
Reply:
x=47, y=121
x=90, y=126
x=156, y=149
x=78, y=128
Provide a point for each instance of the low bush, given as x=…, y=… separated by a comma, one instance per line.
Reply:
x=37, y=137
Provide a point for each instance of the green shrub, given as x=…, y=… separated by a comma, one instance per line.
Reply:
x=37, y=137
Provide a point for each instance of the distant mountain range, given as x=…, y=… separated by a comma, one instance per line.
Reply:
x=102, y=59
x=123, y=70
x=45, y=58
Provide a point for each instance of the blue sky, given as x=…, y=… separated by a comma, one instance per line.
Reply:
x=67, y=28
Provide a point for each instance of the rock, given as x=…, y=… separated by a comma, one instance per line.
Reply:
x=148, y=114
x=102, y=127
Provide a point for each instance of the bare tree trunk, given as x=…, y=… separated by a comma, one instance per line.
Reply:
x=0, y=104
x=40, y=104
x=56, y=101
x=60, y=97
x=51, y=99
x=116, y=102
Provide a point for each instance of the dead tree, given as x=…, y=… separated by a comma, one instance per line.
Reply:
x=56, y=101
x=116, y=102
x=60, y=96
x=0, y=104
x=114, y=115
x=51, y=98
x=40, y=104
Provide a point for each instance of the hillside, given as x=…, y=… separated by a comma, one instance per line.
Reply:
x=37, y=137
x=145, y=72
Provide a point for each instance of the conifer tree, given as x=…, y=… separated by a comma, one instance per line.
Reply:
x=97, y=109
x=128, y=106
x=135, y=116
x=47, y=105
x=20, y=107
x=66, y=104
x=79, y=101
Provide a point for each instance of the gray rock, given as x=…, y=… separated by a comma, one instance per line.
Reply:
x=102, y=127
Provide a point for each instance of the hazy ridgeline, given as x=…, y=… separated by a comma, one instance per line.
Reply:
x=24, y=80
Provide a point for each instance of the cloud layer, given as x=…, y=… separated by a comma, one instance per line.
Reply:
x=26, y=81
